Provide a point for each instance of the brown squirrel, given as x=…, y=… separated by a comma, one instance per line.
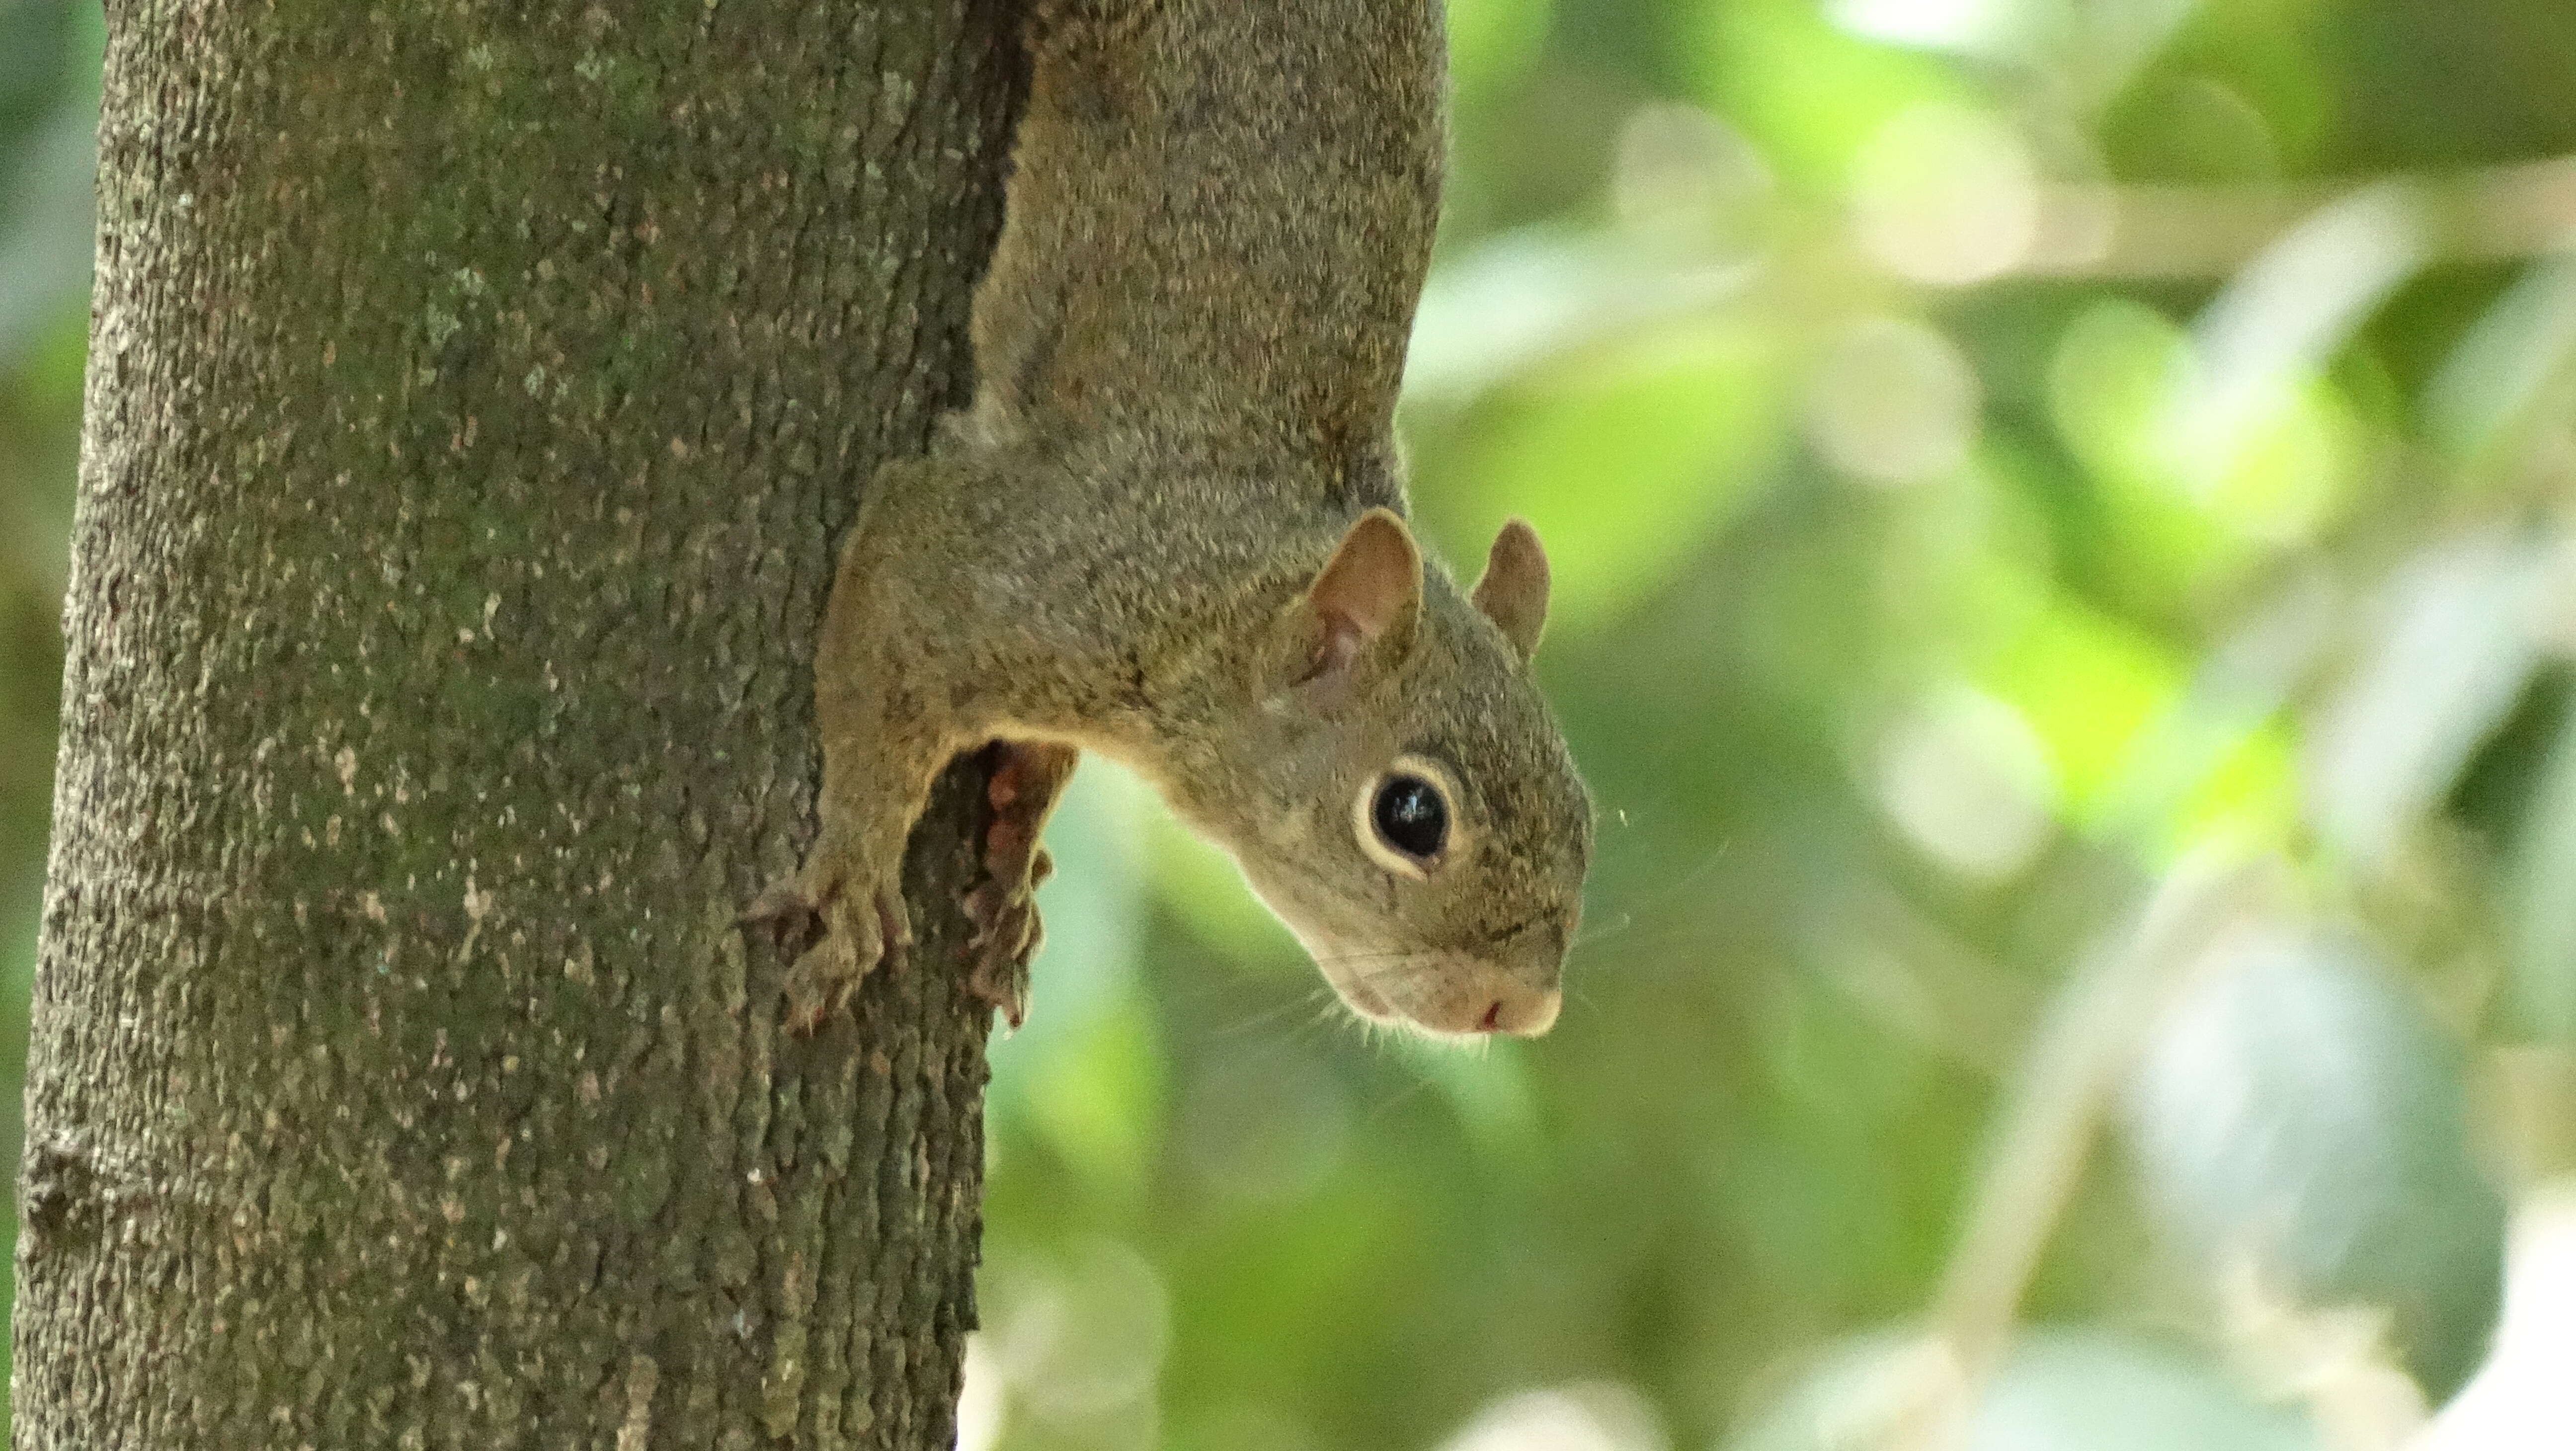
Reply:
x=1171, y=529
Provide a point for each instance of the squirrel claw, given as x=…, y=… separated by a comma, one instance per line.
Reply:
x=1002, y=982
x=852, y=939
x=1007, y=934
x=1003, y=906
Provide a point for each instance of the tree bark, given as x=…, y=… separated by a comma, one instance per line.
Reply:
x=477, y=394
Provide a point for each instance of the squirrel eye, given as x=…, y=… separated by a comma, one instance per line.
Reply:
x=1411, y=816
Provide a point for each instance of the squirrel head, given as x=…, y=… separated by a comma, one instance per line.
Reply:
x=1399, y=792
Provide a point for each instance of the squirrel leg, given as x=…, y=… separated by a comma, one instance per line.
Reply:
x=1026, y=779
x=845, y=905
x=881, y=751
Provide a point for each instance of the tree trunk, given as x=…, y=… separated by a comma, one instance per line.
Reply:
x=477, y=394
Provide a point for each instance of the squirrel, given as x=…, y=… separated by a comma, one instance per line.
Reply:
x=1171, y=528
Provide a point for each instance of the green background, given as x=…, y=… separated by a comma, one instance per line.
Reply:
x=2003, y=460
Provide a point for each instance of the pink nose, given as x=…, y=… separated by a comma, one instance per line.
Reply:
x=1525, y=1012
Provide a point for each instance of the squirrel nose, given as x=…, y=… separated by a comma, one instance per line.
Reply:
x=1526, y=1012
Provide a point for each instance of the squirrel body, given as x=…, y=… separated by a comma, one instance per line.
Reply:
x=1170, y=529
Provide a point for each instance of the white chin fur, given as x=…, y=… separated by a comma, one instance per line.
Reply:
x=1366, y=1001
x=1351, y=986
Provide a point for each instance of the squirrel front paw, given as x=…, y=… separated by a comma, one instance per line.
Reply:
x=842, y=923
x=1024, y=783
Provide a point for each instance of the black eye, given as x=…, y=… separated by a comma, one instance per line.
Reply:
x=1411, y=816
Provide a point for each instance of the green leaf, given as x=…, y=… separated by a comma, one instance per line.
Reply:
x=2297, y=1114
x=2454, y=648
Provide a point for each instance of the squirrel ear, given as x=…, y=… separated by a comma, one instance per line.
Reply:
x=1513, y=593
x=1371, y=588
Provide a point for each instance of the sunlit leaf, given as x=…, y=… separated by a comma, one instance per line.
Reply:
x=1629, y=460
x=1971, y=27
x=2294, y=306
x=2220, y=757
x=2452, y=652
x=2110, y=383
x=1810, y=95
x=2250, y=792
x=2093, y=46
x=2199, y=478
x=2088, y=685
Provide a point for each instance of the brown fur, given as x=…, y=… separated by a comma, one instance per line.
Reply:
x=1189, y=343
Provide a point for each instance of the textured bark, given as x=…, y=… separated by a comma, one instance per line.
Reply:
x=477, y=393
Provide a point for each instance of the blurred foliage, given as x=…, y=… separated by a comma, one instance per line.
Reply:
x=1999, y=456
x=49, y=60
